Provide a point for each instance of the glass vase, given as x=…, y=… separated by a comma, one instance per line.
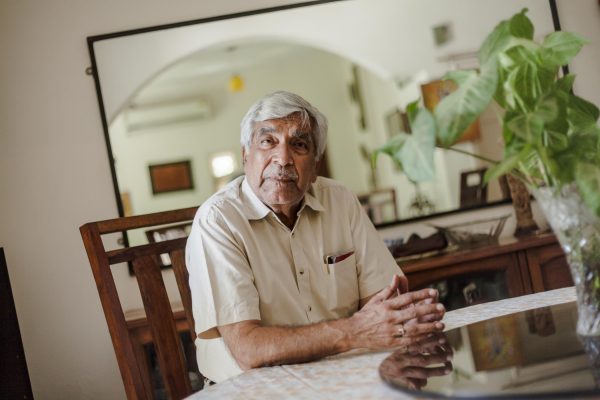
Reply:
x=578, y=232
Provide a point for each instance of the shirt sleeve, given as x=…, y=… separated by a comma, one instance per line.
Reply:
x=220, y=277
x=375, y=264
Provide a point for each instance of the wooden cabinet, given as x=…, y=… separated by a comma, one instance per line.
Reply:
x=526, y=265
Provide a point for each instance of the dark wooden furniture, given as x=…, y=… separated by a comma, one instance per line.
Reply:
x=158, y=312
x=14, y=377
x=473, y=189
x=531, y=264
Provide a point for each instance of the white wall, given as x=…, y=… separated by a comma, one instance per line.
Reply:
x=54, y=173
x=54, y=177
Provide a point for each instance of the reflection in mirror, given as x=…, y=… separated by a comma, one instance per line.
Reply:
x=530, y=354
x=178, y=94
x=410, y=368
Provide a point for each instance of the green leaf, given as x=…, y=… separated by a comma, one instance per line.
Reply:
x=411, y=110
x=521, y=26
x=457, y=111
x=566, y=162
x=555, y=140
x=584, y=106
x=561, y=47
x=506, y=165
x=582, y=116
x=528, y=127
x=523, y=83
x=587, y=177
x=413, y=153
x=547, y=109
x=391, y=147
x=495, y=42
x=459, y=76
x=565, y=83
x=416, y=156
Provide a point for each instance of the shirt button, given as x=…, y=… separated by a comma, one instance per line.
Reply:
x=301, y=272
x=309, y=308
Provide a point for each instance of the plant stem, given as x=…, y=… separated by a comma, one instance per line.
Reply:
x=473, y=155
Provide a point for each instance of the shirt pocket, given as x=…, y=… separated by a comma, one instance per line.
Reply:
x=342, y=290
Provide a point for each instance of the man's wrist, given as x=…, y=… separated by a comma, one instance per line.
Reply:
x=345, y=339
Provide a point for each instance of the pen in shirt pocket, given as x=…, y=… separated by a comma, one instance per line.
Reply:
x=336, y=258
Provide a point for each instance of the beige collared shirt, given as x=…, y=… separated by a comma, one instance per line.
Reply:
x=245, y=264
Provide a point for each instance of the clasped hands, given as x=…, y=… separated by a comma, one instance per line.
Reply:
x=395, y=317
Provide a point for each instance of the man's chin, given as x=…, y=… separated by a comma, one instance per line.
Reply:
x=282, y=198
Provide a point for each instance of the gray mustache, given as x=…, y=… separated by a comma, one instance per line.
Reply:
x=278, y=173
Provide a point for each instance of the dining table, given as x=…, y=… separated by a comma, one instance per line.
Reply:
x=356, y=374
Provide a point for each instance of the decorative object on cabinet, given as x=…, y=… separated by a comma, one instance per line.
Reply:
x=420, y=204
x=416, y=245
x=551, y=140
x=171, y=177
x=474, y=233
x=521, y=200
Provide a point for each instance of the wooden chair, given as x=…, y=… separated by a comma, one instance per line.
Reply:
x=377, y=202
x=147, y=268
x=473, y=190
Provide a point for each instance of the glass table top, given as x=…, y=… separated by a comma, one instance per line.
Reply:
x=534, y=353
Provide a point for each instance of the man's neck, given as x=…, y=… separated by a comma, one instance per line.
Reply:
x=287, y=214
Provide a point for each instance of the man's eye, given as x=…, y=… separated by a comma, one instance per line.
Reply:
x=301, y=145
x=266, y=141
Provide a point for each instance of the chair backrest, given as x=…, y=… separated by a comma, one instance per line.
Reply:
x=147, y=264
x=380, y=205
x=473, y=189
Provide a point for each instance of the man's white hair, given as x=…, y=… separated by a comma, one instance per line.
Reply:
x=279, y=105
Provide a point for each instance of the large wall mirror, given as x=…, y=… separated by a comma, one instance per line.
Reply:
x=172, y=97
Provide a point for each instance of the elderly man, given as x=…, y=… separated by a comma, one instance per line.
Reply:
x=285, y=266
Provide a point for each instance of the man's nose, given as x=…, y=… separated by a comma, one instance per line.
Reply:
x=283, y=155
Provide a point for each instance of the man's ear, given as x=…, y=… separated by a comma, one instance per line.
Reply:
x=243, y=155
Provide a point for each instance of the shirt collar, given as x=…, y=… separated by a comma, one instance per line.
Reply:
x=256, y=209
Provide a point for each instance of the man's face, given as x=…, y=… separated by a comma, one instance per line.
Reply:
x=280, y=164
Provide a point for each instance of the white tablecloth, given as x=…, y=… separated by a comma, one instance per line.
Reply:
x=354, y=375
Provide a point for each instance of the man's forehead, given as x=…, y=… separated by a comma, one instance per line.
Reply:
x=292, y=122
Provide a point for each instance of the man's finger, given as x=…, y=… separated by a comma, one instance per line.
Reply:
x=411, y=297
x=387, y=291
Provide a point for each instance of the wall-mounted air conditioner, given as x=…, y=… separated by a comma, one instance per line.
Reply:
x=168, y=112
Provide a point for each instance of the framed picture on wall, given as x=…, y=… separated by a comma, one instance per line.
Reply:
x=171, y=177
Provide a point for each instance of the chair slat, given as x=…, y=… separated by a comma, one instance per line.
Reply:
x=142, y=221
x=160, y=318
x=182, y=278
x=117, y=326
x=131, y=253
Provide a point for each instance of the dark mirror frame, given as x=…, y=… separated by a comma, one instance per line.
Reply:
x=91, y=40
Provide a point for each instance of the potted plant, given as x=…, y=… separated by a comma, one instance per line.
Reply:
x=551, y=140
